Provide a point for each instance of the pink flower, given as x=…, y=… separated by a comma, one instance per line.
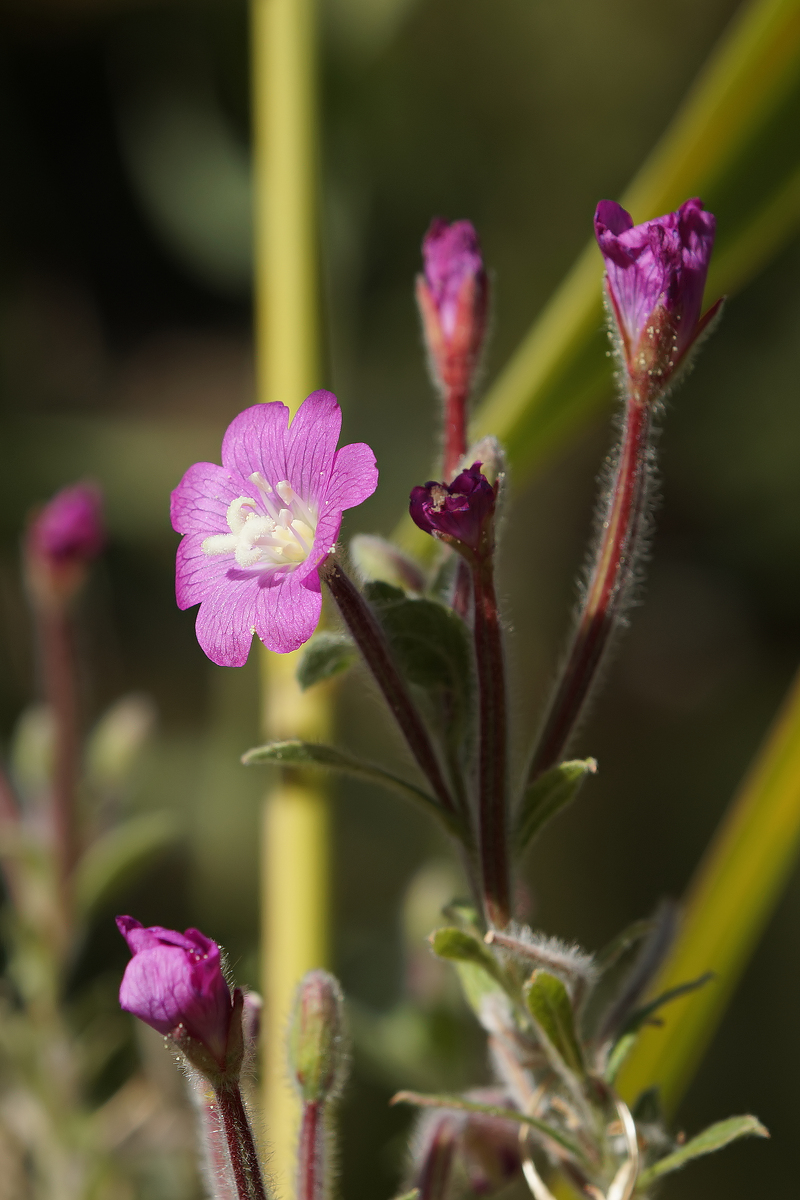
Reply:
x=174, y=980
x=460, y=513
x=655, y=275
x=257, y=528
x=63, y=538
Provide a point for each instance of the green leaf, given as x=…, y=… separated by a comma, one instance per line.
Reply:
x=116, y=856
x=458, y=946
x=549, y=1004
x=641, y=1015
x=433, y=649
x=551, y=792
x=714, y=1138
x=326, y=655
x=619, y=1054
x=461, y=1104
x=295, y=753
x=613, y=951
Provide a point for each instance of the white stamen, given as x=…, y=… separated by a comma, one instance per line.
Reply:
x=261, y=534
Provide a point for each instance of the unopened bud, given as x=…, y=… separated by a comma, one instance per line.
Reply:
x=376, y=559
x=63, y=538
x=452, y=297
x=317, y=1041
x=116, y=740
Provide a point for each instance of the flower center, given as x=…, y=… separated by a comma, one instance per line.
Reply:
x=281, y=536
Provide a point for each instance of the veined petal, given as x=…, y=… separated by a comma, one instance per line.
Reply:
x=256, y=441
x=311, y=445
x=226, y=619
x=287, y=612
x=354, y=477
x=199, y=504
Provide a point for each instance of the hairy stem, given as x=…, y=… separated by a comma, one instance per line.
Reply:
x=455, y=425
x=492, y=769
x=609, y=587
x=241, y=1146
x=368, y=636
x=311, y=1165
x=56, y=643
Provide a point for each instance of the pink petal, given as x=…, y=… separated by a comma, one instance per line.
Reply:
x=226, y=619
x=199, y=504
x=288, y=612
x=354, y=477
x=311, y=445
x=198, y=575
x=256, y=441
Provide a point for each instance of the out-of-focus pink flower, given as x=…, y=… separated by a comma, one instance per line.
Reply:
x=452, y=295
x=257, y=528
x=63, y=538
x=459, y=513
x=486, y=1149
x=655, y=276
x=174, y=983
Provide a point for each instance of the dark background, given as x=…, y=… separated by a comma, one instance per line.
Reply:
x=125, y=350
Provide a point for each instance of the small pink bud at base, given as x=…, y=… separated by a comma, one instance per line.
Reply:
x=62, y=540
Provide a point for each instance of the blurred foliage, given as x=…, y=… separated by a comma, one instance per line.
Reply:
x=123, y=354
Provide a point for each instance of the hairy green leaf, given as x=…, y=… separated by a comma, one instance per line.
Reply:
x=714, y=1138
x=640, y=1017
x=549, y=1004
x=459, y=946
x=546, y=797
x=326, y=655
x=433, y=649
x=296, y=753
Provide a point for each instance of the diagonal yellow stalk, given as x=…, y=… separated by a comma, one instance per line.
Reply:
x=295, y=827
x=732, y=897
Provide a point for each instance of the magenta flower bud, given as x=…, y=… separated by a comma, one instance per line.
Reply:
x=452, y=296
x=175, y=984
x=459, y=513
x=63, y=538
x=655, y=276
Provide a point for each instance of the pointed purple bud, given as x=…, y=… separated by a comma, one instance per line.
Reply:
x=175, y=984
x=63, y=538
x=655, y=276
x=459, y=513
x=452, y=295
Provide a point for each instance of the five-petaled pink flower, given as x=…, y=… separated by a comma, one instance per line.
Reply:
x=257, y=528
x=175, y=980
x=655, y=276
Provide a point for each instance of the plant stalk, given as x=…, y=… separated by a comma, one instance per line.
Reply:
x=368, y=636
x=493, y=764
x=612, y=577
x=241, y=1146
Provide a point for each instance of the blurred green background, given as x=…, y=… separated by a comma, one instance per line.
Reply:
x=125, y=350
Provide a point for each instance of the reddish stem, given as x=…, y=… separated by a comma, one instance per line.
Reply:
x=56, y=640
x=241, y=1145
x=455, y=425
x=492, y=770
x=612, y=575
x=311, y=1152
x=369, y=638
